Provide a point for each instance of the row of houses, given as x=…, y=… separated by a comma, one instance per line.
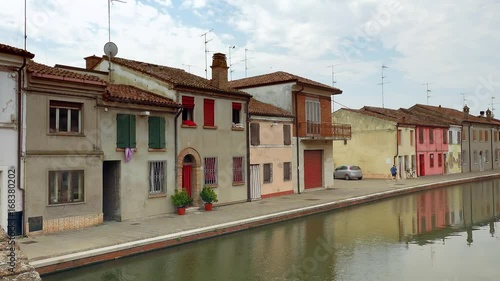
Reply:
x=113, y=140
x=429, y=140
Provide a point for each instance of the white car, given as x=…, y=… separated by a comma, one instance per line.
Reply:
x=348, y=172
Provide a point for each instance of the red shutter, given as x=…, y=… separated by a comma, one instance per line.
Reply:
x=208, y=112
x=237, y=105
x=187, y=102
x=313, y=168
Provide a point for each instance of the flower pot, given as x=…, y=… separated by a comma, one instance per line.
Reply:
x=181, y=211
x=208, y=206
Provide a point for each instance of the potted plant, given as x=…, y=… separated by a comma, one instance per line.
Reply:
x=208, y=196
x=181, y=199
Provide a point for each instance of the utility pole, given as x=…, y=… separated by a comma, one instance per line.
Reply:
x=382, y=83
x=427, y=92
x=333, y=85
x=230, y=64
x=205, y=40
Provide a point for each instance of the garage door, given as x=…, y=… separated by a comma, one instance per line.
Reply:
x=313, y=168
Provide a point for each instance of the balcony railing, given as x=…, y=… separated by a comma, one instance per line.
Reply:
x=333, y=131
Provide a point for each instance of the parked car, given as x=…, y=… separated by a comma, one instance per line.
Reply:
x=348, y=172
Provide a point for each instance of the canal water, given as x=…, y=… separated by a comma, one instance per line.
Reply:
x=447, y=234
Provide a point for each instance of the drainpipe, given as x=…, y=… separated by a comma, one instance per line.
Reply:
x=491, y=154
x=248, y=148
x=179, y=111
x=297, y=139
x=470, y=164
x=20, y=136
x=397, y=149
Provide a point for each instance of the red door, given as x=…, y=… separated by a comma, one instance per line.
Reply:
x=313, y=168
x=186, y=178
x=421, y=164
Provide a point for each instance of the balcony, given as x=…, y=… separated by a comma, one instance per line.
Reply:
x=324, y=131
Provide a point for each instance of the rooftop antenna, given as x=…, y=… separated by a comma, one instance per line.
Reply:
x=110, y=48
x=492, y=103
x=463, y=99
x=230, y=64
x=189, y=66
x=382, y=83
x=246, y=68
x=206, y=52
x=25, y=16
x=427, y=92
x=333, y=84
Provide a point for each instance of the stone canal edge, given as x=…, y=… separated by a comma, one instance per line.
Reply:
x=88, y=257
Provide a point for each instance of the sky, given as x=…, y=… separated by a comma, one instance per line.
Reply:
x=449, y=47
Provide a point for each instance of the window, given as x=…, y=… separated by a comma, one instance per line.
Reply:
x=125, y=131
x=157, y=175
x=287, y=171
x=487, y=155
x=399, y=137
x=313, y=116
x=474, y=154
x=431, y=135
x=268, y=173
x=431, y=160
x=254, y=133
x=440, y=160
x=445, y=136
x=188, y=111
x=486, y=136
x=208, y=113
x=65, y=117
x=450, y=137
x=66, y=187
x=474, y=137
x=287, y=135
x=420, y=135
x=236, y=113
x=411, y=137
x=480, y=135
x=211, y=171
x=238, y=172
x=156, y=132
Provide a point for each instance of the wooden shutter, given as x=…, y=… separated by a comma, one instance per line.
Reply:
x=187, y=102
x=163, y=142
x=122, y=128
x=154, y=132
x=287, y=135
x=132, y=139
x=254, y=133
x=208, y=112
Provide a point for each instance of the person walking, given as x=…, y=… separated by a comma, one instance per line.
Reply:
x=394, y=172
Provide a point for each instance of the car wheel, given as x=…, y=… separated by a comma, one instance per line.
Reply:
x=347, y=177
x=360, y=178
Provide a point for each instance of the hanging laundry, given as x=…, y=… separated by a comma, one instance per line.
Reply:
x=128, y=154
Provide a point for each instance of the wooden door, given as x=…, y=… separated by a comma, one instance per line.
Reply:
x=187, y=170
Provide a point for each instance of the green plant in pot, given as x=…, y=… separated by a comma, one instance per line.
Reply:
x=208, y=196
x=181, y=199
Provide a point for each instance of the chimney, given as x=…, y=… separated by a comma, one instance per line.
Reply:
x=488, y=115
x=404, y=119
x=466, y=112
x=219, y=71
x=481, y=113
x=91, y=61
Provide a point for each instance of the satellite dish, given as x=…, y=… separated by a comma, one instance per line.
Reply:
x=110, y=49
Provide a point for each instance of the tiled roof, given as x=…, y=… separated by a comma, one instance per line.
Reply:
x=48, y=71
x=406, y=117
x=276, y=78
x=131, y=94
x=177, y=77
x=451, y=114
x=15, y=51
x=256, y=107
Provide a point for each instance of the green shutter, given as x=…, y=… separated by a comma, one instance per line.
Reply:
x=132, y=142
x=162, y=132
x=122, y=129
x=154, y=123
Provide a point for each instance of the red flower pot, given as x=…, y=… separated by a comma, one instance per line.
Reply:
x=208, y=206
x=181, y=211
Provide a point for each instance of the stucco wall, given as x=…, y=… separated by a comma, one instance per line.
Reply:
x=278, y=95
x=222, y=142
x=405, y=151
x=477, y=146
x=272, y=150
x=326, y=147
x=372, y=146
x=453, y=158
x=427, y=149
x=134, y=200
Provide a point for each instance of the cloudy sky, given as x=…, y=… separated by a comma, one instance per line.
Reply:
x=450, y=44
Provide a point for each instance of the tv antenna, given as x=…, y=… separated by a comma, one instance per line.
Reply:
x=463, y=99
x=230, y=64
x=246, y=60
x=188, y=66
x=427, y=91
x=382, y=83
x=333, y=83
x=206, y=52
x=109, y=16
x=110, y=48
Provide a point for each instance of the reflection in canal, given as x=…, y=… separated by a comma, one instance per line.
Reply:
x=443, y=234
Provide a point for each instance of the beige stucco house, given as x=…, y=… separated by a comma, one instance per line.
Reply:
x=211, y=148
x=271, y=151
x=313, y=132
x=12, y=64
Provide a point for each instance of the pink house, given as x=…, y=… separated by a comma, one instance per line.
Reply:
x=431, y=149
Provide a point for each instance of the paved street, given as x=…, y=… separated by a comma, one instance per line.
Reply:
x=40, y=248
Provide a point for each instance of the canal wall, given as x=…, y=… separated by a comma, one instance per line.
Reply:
x=111, y=252
x=14, y=264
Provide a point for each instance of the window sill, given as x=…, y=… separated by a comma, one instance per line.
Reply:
x=268, y=182
x=157, y=149
x=210, y=127
x=159, y=195
x=212, y=185
x=187, y=126
x=123, y=149
x=62, y=134
x=237, y=129
x=238, y=183
x=65, y=204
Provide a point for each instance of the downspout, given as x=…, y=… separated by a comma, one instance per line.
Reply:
x=20, y=122
x=179, y=111
x=297, y=139
x=470, y=164
x=248, y=148
x=491, y=154
x=397, y=149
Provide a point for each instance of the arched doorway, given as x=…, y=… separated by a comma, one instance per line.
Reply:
x=189, y=173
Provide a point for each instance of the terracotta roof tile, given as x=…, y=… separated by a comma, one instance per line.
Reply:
x=451, y=114
x=44, y=70
x=177, y=77
x=403, y=116
x=132, y=94
x=15, y=51
x=276, y=78
x=260, y=108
